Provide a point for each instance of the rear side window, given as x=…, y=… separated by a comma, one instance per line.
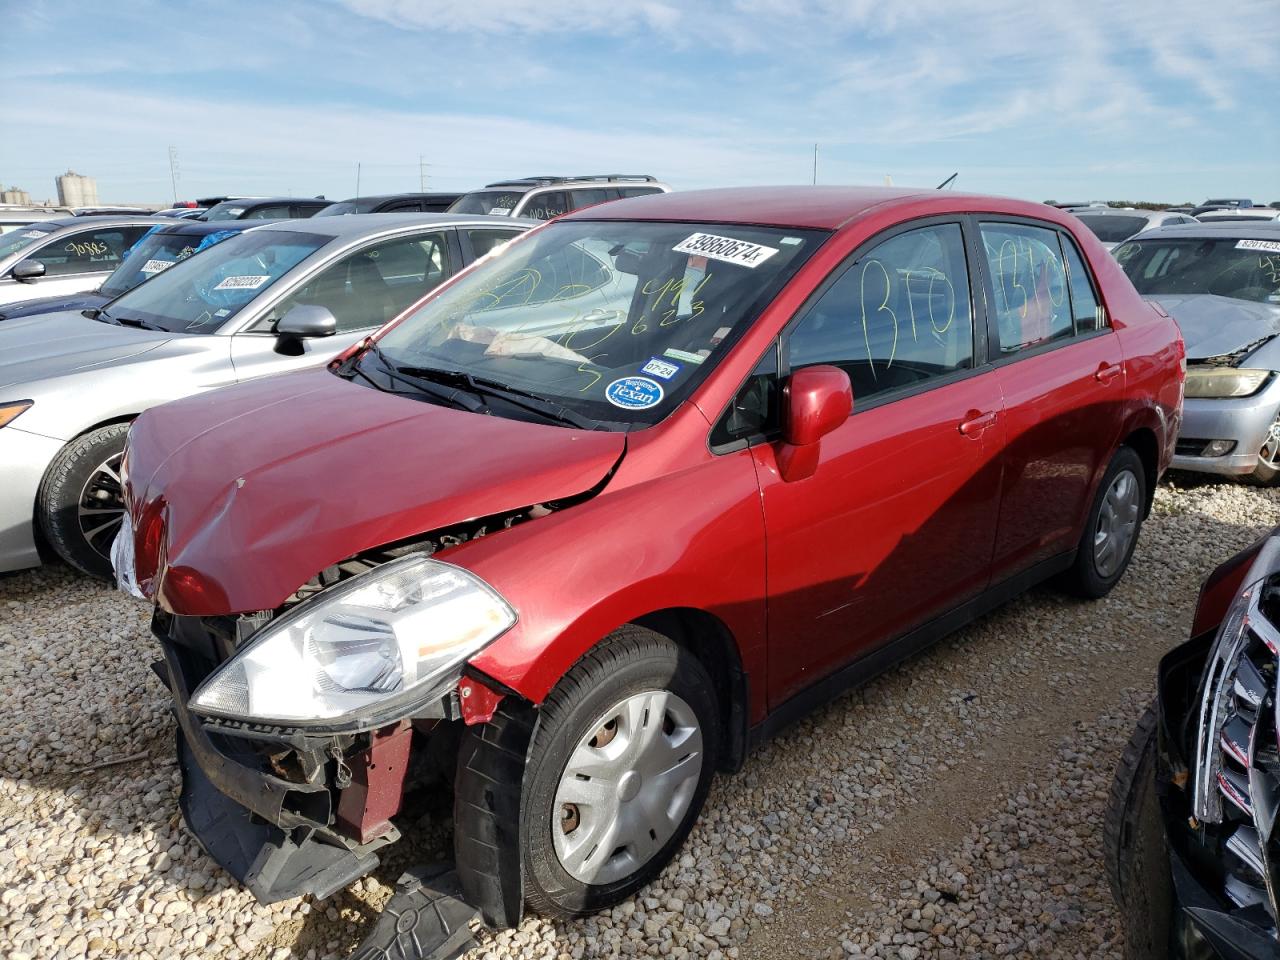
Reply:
x=588, y=198
x=1085, y=309
x=91, y=251
x=1029, y=284
x=638, y=191
x=899, y=315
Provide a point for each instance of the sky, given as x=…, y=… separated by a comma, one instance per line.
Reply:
x=1171, y=100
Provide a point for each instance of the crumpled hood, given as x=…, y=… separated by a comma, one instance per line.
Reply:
x=241, y=495
x=51, y=345
x=1214, y=326
x=68, y=301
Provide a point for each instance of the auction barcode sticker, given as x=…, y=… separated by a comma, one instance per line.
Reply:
x=725, y=249
x=1270, y=246
x=242, y=283
x=155, y=266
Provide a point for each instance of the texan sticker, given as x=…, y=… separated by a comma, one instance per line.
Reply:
x=242, y=283
x=726, y=249
x=634, y=393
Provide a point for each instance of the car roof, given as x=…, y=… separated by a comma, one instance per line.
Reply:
x=822, y=208
x=380, y=197
x=1119, y=212
x=1241, y=229
x=193, y=228
x=91, y=223
x=358, y=224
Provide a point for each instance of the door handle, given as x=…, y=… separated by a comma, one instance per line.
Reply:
x=975, y=422
x=1108, y=372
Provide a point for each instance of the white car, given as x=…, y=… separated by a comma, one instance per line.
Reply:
x=67, y=255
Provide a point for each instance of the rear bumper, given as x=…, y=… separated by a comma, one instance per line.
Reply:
x=24, y=457
x=1245, y=421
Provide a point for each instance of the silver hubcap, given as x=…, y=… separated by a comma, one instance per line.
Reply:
x=101, y=506
x=1117, y=523
x=627, y=787
x=1270, y=452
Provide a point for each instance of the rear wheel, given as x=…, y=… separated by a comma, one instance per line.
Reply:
x=617, y=773
x=1111, y=532
x=81, y=500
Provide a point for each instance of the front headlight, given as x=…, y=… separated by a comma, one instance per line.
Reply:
x=1223, y=382
x=361, y=653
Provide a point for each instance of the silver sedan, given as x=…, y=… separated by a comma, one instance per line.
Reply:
x=275, y=298
x=66, y=255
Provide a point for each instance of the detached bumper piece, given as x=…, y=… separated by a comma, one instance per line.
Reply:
x=425, y=919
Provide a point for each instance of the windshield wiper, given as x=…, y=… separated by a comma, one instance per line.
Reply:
x=516, y=396
x=135, y=322
x=455, y=397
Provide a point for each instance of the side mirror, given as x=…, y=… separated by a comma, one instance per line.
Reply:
x=307, y=320
x=28, y=271
x=815, y=401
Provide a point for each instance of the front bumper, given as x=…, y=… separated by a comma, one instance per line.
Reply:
x=271, y=834
x=1244, y=420
x=24, y=457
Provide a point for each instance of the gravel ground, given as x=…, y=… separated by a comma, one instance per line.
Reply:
x=951, y=808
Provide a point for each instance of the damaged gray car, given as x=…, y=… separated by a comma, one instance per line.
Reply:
x=1221, y=283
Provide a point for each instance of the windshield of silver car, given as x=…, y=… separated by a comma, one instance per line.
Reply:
x=202, y=293
x=615, y=322
x=11, y=243
x=500, y=202
x=1246, y=269
x=155, y=253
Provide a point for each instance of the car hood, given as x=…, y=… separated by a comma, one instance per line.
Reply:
x=55, y=344
x=69, y=301
x=240, y=496
x=1214, y=326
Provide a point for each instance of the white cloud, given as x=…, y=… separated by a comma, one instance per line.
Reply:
x=516, y=16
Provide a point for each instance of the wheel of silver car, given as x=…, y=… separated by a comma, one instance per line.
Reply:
x=1117, y=522
x=81, y=500
x=618, y=770
x=627, y=786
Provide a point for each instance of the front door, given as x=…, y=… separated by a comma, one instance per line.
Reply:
x=1060, y=369
x=74, y=262
x=897, y=524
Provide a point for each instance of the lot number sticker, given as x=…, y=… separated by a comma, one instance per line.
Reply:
x=155, y=266
x=34, y=234
x=725, y=249
x=242, y=283
x=1269, y=246
x=634, y=393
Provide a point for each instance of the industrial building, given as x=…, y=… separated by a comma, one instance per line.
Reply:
x=77, y=191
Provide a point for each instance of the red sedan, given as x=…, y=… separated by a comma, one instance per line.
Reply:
x=578, y=529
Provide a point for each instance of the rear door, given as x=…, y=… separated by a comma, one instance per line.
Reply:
x=897, y=524
x=363, y=289
x=1061, y=372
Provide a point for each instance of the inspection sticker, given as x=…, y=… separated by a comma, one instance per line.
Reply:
x=663, y=369
x=634, y=393
x=1270, y=246
x=726, y=249
x=155, y=266
x=684, y=355
x=242, y=283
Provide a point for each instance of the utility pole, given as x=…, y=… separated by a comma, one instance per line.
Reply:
x=357, y=180
x=815, y=164
x=173, y=170
x=422, y=172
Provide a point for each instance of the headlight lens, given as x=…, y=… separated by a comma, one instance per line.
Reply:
x=10, y=412
x=1222, y=382
x=360, y=651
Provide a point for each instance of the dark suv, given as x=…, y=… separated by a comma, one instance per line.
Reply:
x=543, y=198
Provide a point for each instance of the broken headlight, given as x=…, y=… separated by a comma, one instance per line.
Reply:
x=363, y=652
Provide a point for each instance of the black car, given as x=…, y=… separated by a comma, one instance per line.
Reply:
x=1190, y=840
x=265, y=208
x=156, y=250
x=392, y=203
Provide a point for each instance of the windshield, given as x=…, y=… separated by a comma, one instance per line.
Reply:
x=11, y=243
x=500, y=202
x=227, y=210
x=1226, y=267
x=614, y=321
x=199, y=295
x=1111, y=229
x=155, y=253
x=1234, y=217
x=339, y=209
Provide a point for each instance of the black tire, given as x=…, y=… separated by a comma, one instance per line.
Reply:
x=1135, y=850
x=1084, y=578
x=58, y=501
x=631, y=660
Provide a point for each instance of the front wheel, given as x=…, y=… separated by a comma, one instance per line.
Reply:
x=81, y=500
x=1111, y=532
x=618, y=771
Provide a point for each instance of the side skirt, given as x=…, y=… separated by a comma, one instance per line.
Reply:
x=894, y=652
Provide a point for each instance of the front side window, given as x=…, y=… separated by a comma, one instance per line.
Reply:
x=615, y=321
x=1029, y=283
x=547, y=205
x=899, y=315
x=90, y=251
x=369, y=287
x=588, y=198
x=202, y=293
x=1220, y=266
